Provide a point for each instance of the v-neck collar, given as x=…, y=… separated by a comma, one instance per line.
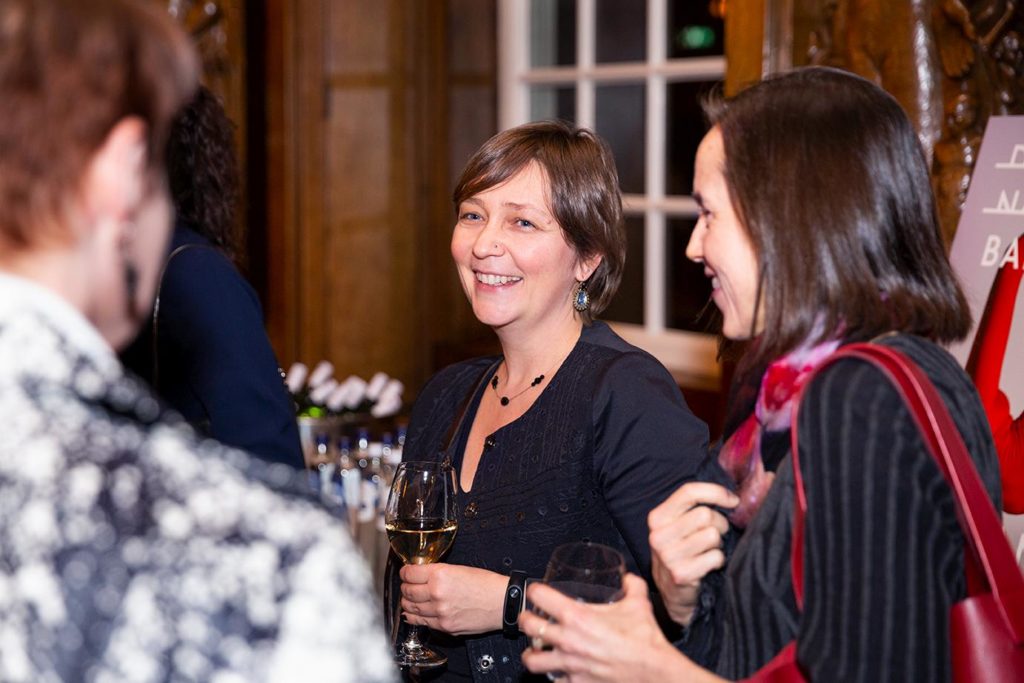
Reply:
x=456, y=451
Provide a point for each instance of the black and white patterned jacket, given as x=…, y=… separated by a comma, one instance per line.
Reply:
x=132, y=551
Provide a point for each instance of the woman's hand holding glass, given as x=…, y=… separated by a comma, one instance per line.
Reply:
x=588, y=642
x=686, y=543
x=586, y=572
x=453, y=598
x=421, y=522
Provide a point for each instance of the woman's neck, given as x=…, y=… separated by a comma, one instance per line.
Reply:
x=537, y=352
x=56, y=269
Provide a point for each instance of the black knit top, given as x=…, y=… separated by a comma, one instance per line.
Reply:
x=609, y=438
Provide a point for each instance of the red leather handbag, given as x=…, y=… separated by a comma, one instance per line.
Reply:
x=986, y=627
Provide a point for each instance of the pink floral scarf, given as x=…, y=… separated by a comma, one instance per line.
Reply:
x=740, y=456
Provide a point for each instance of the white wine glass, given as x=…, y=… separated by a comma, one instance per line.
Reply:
x=420, y=520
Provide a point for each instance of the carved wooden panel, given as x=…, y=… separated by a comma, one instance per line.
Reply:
x=982, y=61
x=217, y=28
x=951, y=63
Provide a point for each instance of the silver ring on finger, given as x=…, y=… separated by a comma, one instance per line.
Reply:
x=537, y=642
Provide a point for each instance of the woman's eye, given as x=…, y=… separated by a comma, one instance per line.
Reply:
x=523, y=223
x=469, y=216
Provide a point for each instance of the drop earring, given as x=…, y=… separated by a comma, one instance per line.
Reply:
x=131, y=281
x=580, y=297
x=129, y=273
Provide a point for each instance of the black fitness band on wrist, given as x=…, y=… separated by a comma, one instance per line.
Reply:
x=515, y=595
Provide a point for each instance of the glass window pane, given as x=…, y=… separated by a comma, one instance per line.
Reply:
x=687, y=291
x=694, y=30
x=552, y=102
x=552, y=32
x=628, y=304
x=619, y=119
x=684, y=129
x=621, y=31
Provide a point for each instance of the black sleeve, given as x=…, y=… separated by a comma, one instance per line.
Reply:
x=700, y=640
x=647, y=444
x=211, y=329
x=883, y=552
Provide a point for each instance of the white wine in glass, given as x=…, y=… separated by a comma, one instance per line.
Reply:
x=421, y=541
x=420, y=520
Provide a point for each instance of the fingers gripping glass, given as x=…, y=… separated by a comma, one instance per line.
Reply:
x=588, y=572
x=420, y=519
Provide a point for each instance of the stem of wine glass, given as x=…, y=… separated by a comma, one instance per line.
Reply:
x=412, y=643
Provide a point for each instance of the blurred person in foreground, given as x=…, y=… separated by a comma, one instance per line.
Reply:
x=571, y=433
x=204, y=348
x=131, y=551
x=818, y=228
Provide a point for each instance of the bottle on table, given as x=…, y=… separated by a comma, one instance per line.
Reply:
x=321, y=467
x=369, y=496
x=347, y=481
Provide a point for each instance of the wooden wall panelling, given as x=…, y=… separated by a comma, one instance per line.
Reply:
x=470, y=119
x=362, y=147
x=294, y=44
x=437, y=294
x=365, y=256
x=349, y=236
x=309, y=307
x=744, y=44
x=281, y=258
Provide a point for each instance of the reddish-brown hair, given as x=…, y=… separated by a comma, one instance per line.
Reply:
x=69, y=71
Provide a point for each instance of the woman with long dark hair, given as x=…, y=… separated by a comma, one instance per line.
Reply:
x=817, y=228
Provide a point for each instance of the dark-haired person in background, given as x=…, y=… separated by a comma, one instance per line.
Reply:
x=818, y=228
x=205, y=350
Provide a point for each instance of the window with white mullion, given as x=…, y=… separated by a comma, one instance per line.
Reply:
x=513, y=62
x=585, y=29
x=709, y=68
x=635, y=78
x=654, y=225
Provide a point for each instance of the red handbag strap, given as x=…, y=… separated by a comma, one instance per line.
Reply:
x=989, y=556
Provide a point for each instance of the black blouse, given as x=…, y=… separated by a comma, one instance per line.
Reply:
x=608, y=439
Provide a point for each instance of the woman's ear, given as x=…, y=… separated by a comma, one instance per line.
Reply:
x=114, y=183
x=585, y=267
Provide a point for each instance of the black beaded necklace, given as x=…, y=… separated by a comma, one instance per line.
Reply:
x=505, y=400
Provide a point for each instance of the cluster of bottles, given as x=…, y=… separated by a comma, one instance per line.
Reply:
x=318, y=394
x=355, y=477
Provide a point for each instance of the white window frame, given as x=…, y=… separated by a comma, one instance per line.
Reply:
x=690, y=356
